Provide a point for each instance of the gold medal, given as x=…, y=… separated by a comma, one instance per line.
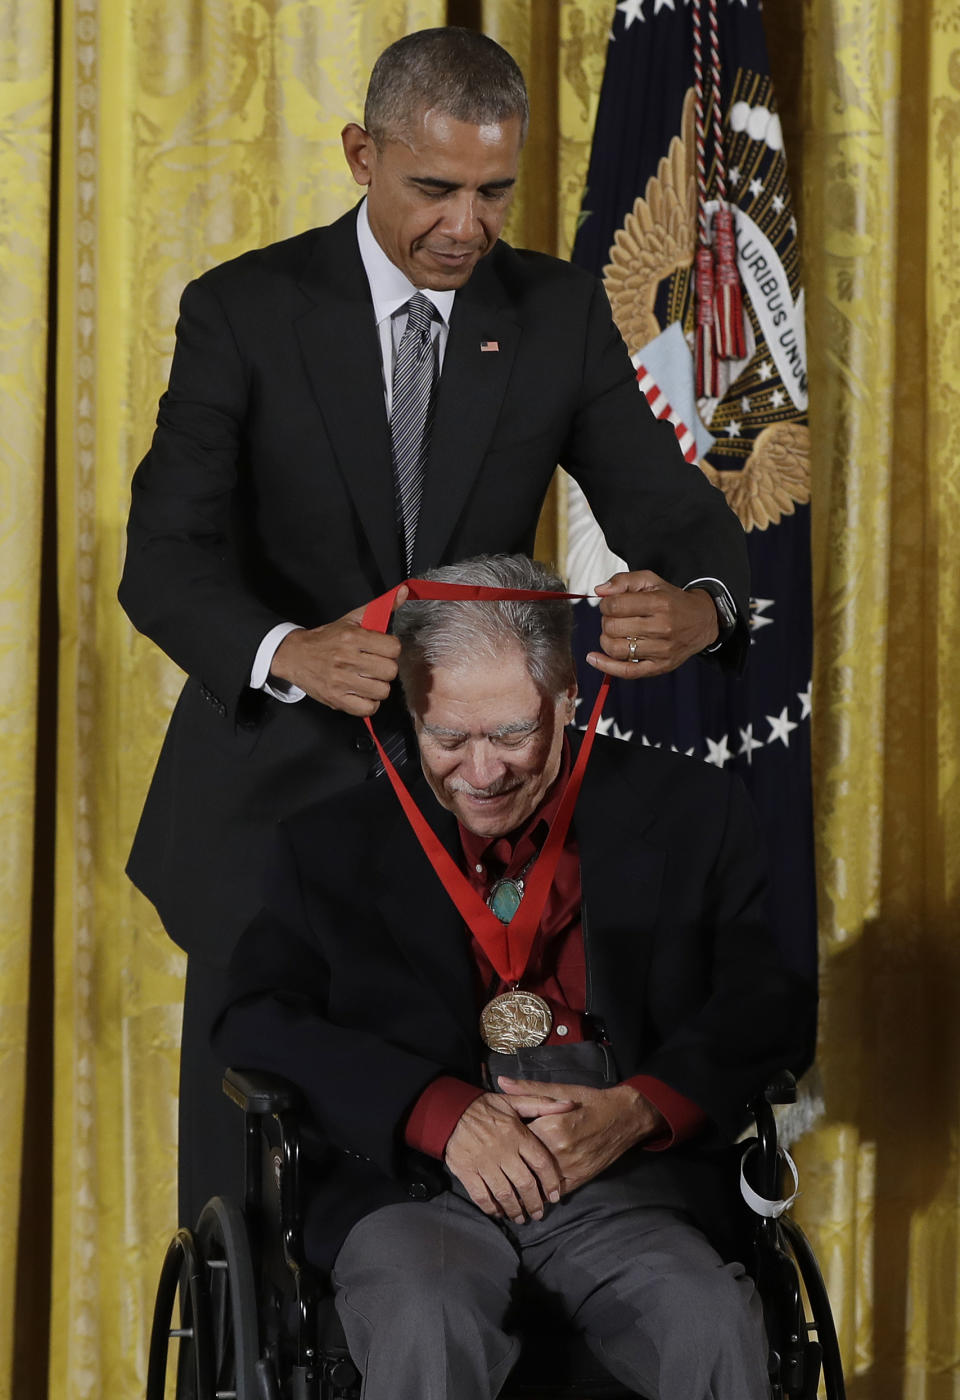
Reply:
x=514, y=1021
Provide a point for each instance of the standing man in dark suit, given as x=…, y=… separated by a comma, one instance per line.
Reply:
x=300, y=466
x=489, y=1108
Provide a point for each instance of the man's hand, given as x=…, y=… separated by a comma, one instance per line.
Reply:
x=505, y=1168
x=666, y=624
x=341, y=664
x=599, y=1128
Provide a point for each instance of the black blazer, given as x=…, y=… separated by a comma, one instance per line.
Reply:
x=267, y=496
x=356, y=983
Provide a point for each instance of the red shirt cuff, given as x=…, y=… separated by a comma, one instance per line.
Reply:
x=683, y=1117
x=437, y=1112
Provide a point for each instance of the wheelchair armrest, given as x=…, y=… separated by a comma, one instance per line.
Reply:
x=260, y=1093
x=272, y=1200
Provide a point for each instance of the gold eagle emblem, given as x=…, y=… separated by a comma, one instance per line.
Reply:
x=657, y=243
x=658, y=239
x=774, y=479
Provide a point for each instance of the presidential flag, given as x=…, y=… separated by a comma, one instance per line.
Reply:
x=687, y=217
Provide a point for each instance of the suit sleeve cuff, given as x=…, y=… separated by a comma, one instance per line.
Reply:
x=437, y=1112
x=718, y=590
x=260, y=671
x=683, y=1119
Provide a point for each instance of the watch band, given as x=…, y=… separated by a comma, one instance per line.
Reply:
x=727, y=615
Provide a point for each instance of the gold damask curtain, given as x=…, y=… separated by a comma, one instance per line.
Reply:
x=189, y=131
x=26, y=116
x=882, y=213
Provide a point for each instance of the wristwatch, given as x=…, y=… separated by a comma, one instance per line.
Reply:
x=726, y=612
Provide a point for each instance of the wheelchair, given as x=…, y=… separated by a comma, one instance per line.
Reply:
x=257, y=1322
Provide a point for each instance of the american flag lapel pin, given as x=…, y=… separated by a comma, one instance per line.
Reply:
x=490, y=345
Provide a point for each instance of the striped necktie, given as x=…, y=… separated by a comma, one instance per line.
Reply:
x=410, y=417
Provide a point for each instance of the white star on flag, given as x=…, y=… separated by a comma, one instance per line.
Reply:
x=806, y=700
x=733, y=428
x=733, y=175
x=780, y=728
x=778, y=202
x=745, y=404
x=777, y=398
x=766, y=370
x=619, y=733
x=756, y=187
x=758, y=606
x=631, y=9
x=662, y=5
x=749, y=743
x=604, y=723
x=719, y=752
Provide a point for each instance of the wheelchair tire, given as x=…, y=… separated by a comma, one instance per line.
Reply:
x=823, y=1322
x=231, y=1303
x=181, y=1276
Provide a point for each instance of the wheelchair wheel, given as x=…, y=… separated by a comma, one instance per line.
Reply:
x=822, y=1324
x=181, y=1274
x=231, y=1303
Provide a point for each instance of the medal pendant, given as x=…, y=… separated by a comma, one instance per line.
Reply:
x=515, y=1021
x=504, y=899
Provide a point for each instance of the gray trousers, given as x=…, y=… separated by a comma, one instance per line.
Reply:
x=423, y=1290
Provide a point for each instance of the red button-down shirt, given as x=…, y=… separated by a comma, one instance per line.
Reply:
x=556, y=971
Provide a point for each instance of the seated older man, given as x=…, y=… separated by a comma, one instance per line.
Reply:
x=489, y=1111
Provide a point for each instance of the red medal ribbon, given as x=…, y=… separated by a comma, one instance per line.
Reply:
x=506, y=945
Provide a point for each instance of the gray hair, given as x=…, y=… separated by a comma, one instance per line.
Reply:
x=444, y=633
x=459, y=72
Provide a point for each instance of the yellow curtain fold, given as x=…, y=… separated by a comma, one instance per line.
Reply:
x=26, y=89
x=561, y=47
x=189, y=133
x=942, y=495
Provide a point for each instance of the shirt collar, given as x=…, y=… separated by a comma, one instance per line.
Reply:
x=476, y=849
x=389, y=287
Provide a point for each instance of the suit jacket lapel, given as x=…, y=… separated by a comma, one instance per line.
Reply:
x=469, y=397
x=341, y=354
x=621, y=880
x=423, y=919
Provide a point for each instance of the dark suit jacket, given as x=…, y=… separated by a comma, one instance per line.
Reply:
x=356, y=981
x=267, y=496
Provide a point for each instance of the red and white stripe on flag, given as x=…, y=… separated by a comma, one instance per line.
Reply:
x=662, y=408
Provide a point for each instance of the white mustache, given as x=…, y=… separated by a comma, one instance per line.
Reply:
x=496, y=789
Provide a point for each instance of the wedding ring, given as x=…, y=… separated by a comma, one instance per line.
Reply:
x=632, y=651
